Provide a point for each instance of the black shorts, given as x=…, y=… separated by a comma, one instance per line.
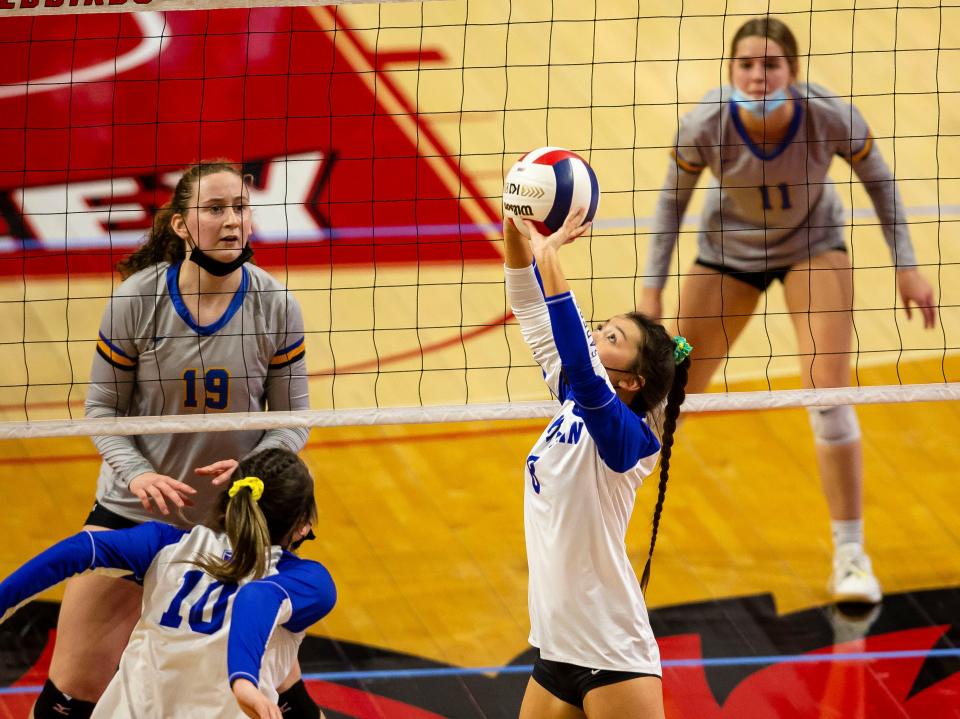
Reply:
x=570, y=683
x=761, y=279
x=100, y=516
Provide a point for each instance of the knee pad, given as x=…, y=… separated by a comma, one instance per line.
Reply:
x=834, y=425
x=295, y=703
x=54, y=704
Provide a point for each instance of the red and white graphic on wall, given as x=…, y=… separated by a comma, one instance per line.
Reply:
x=99, y=113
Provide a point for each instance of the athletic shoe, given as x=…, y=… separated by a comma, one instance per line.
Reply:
x=852, y=579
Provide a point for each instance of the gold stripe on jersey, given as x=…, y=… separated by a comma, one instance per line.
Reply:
x=114, y=357
x=282, y=359
x=685, y=165
x=863, y=151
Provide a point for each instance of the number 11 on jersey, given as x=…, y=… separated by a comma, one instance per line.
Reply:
x=784, y=196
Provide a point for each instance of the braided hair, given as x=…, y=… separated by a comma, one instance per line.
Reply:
x=663, y=379
x=253, y=526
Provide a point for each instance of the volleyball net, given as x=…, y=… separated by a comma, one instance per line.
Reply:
x=377, y=137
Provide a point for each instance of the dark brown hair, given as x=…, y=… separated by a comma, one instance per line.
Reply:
x=772, y=29
x=663, y=379
x=162, y=243
x=253, y=526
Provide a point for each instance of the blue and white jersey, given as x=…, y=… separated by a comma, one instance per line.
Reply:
x=581, y=479
x=153, y=359
x=196, y=634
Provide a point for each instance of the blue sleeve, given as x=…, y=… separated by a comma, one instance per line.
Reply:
x=130, y=549
x=622, y=438
x=133, y=549
x=311, y=592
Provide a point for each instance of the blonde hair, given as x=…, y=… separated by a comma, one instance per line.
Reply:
x=253, y=526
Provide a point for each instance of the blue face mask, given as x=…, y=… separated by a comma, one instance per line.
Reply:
x=762, y=106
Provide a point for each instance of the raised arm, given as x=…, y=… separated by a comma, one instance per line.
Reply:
x=525, y=295
x=622, y=438
x=516, y=248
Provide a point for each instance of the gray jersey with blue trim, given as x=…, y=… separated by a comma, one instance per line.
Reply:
x=153, y=359
x=773, y=207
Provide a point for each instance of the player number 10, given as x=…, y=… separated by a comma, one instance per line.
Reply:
x=784, y=196
x=201, y=609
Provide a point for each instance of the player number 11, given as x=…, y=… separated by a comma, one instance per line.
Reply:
x=784, y=196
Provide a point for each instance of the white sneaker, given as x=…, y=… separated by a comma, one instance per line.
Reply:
x=852, y=579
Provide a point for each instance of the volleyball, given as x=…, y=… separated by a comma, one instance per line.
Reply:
x=545, y=185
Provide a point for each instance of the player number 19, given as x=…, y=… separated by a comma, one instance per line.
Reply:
x=216, y=386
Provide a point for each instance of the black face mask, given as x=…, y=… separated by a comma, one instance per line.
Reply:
x=218, y=268
x=294, y=546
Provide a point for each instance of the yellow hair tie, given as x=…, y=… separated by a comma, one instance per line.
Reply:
x=254, y=483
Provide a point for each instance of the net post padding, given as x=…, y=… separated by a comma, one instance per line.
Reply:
x=712, y=402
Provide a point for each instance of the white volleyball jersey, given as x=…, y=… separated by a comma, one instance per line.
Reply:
x=581, y=478
x=153, y=359
x=772, y=208
x=195, y=634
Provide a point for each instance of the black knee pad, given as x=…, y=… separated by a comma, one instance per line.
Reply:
x=54, y=704
x=295, y=703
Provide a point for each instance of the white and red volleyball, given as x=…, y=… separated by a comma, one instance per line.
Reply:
x=545, y=185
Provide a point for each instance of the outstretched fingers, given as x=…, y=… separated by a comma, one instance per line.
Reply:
x=154, y=489
x=572, y=228
x=220, y=472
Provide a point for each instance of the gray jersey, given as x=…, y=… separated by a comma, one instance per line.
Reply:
x=153, y=359
x=773, y=208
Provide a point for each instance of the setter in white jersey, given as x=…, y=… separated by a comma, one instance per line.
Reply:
x=771, y=213
x=224, y=609
x=193, y=329
x=597, y=653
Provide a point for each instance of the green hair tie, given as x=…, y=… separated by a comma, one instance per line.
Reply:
x=681, y=349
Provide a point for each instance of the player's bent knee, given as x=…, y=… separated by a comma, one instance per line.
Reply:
x=54, y=704
x=834, y=425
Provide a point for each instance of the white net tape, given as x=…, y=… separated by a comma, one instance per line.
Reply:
x=714, y=402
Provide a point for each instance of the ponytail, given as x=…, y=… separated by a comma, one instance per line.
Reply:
x=246, y=528
x=257, y=515
x=670, y=414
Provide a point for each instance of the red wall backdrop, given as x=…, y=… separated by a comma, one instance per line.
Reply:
x=99, y=112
